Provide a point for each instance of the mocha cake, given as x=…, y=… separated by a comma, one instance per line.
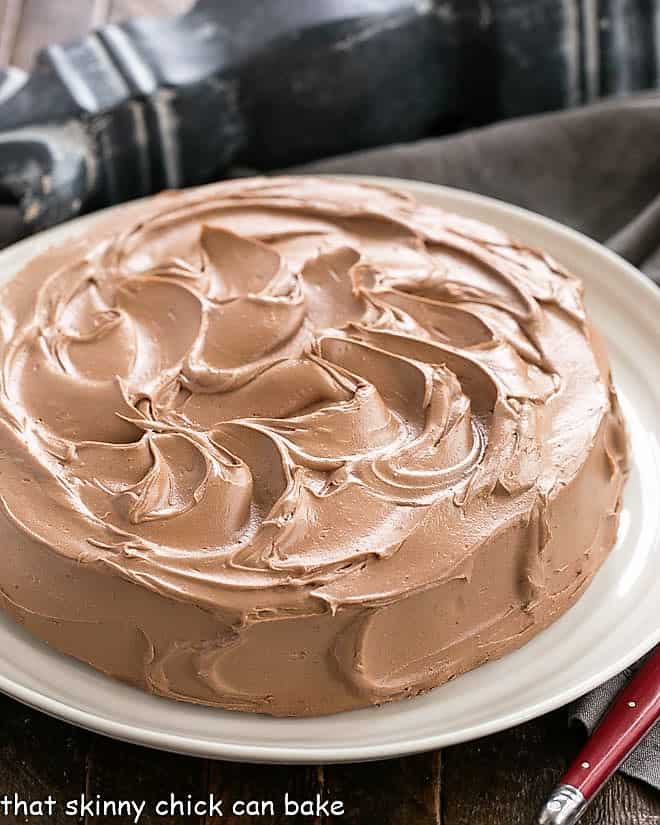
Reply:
x=298, y=445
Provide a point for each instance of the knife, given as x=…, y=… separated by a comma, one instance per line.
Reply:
x=630, y=717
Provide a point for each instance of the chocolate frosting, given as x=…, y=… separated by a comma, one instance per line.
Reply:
x=298, y=445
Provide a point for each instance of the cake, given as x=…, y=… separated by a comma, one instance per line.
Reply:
x=299, y=445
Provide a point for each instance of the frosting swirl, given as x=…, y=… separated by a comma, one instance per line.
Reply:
x=295, y=403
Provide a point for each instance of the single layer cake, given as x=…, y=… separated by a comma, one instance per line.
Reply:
x=298, y=445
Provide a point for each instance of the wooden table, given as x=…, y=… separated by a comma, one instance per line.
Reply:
x=500, y=780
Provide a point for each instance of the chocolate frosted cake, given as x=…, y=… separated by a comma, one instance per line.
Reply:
x=296, y=446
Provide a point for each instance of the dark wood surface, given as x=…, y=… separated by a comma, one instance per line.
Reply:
x=500, y=780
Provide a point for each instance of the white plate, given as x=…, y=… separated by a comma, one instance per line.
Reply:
x=615, y=622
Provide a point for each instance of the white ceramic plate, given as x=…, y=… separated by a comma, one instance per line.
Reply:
x=615, y=622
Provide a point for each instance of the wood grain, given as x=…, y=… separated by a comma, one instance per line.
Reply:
x=506, y=777
x=39, y=756
x=625, y=802
x=233, y=782
x=500, y=779
x=389, y=793
x=117, y=771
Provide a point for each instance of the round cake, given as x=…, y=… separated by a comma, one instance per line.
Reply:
x=299, y=445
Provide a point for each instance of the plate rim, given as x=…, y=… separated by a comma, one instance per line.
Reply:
x=276, y=754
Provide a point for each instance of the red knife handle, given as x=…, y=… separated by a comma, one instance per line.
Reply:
x=627, y=721
x=631, y=716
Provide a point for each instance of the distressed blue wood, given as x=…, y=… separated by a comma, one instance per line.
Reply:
x=168, y=102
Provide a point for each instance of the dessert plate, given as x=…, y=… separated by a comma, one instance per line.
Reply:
x=615, y=621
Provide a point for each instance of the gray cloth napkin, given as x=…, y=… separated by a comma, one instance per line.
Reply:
x=644, y=762
x=597, y=169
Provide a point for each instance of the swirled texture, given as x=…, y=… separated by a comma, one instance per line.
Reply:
x=298, y=445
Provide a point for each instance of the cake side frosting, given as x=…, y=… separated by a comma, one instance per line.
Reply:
x=299, y=445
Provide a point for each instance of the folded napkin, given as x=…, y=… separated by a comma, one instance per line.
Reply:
x=597, y=169
x=644, y=762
